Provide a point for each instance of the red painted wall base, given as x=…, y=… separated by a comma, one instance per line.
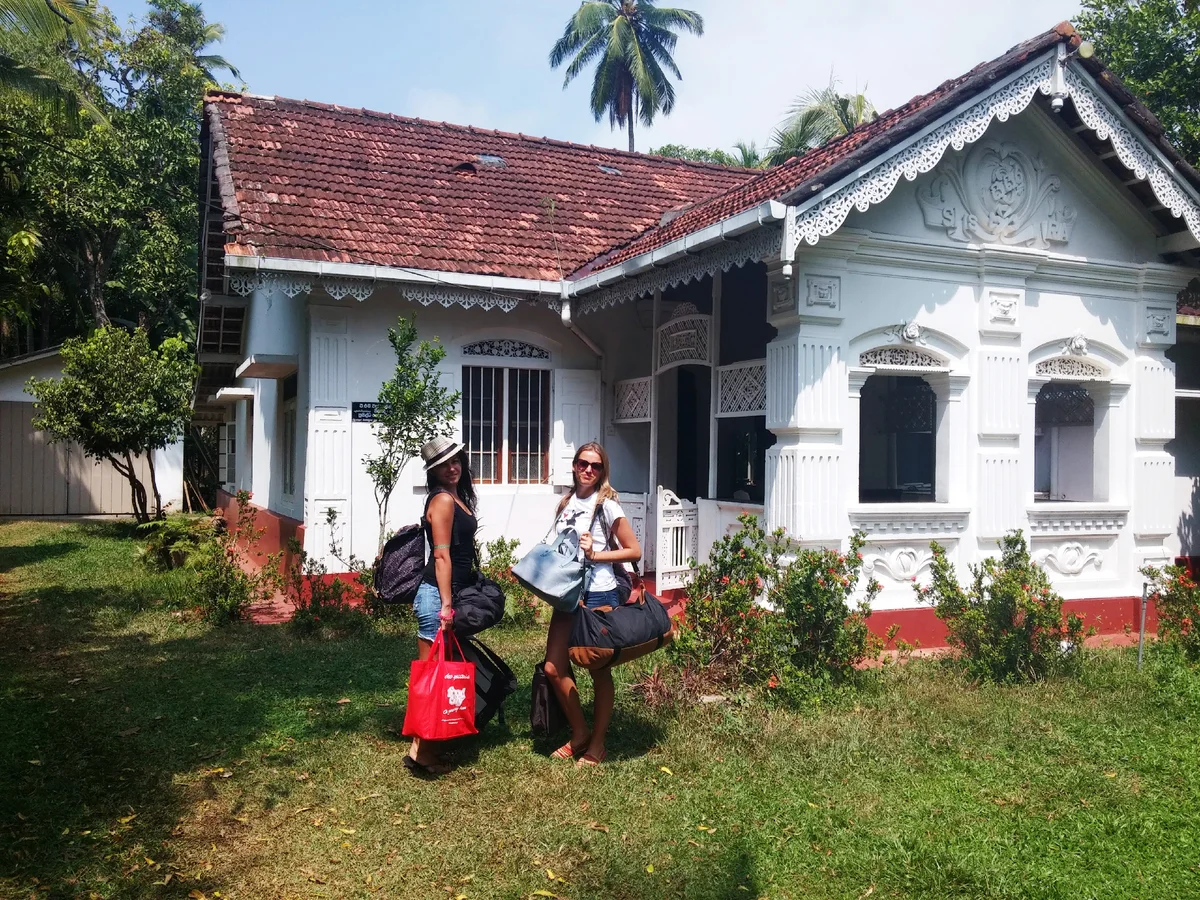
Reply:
x=278, y=530
x=1107, y=615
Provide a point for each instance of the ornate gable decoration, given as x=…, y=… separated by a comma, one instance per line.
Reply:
x=997, y=194
x=505, y=348
x=825, y=216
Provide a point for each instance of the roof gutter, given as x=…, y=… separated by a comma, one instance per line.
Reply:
x=764, y=213
x=400, y=275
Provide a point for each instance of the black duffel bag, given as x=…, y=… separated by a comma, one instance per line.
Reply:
x=494, y=681
x=477, y=607
x=611, y=635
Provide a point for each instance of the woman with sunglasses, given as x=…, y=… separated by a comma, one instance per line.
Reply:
x=605, y=538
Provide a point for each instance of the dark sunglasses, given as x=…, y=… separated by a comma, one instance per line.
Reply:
x=582, y=465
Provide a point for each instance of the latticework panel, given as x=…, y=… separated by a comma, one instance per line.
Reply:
x=682, y=341
x=1072, y=368
x=631, y=400
x=742, y=389
x=900, y=356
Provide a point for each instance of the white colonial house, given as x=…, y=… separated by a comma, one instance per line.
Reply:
x=956, y=321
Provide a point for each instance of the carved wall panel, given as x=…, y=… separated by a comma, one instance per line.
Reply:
x=1155, y=400
x=1000, y=310
x=1000, y=494
x=1070, y=558
x=998, y=194
x=1154, y=486
x=1001, y=392
x=897, y=564
x=804, y=492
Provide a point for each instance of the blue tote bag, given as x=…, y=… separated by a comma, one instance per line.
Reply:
x=553, y=571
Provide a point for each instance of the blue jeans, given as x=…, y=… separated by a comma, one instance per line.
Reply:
x=427, y=606
x=597, y=599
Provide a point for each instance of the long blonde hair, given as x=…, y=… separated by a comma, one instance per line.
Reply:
x=604, y=490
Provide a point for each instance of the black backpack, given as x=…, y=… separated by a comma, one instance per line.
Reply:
x=400, y=566
x=494, y=681
x=546, y=716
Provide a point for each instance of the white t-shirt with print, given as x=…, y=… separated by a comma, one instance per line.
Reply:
x=577, y=514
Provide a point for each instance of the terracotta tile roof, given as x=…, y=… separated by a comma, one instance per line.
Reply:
x=812, y=172
x=310, y=181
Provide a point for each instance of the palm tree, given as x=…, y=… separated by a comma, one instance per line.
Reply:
x=631, y=41
x=817, y=116
x=26, y=23
x=748, y=155
x=170, y=23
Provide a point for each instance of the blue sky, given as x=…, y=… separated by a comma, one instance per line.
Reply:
x=484, y=63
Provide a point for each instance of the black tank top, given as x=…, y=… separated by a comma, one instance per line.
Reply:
x=462, y=547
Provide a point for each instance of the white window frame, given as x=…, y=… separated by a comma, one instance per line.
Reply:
x=506, y=365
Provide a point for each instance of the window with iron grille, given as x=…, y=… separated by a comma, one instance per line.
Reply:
x=506, y=424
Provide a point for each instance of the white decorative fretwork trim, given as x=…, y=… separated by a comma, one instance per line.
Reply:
x=505, y=347
x=1131, y=151
x=361, y=289
x=448, y=297
x=763, y=243
x=337, y=288
x=742, y=389
x=631, y=400
x=1070, y=368
x=826, y=216
x=893, y=357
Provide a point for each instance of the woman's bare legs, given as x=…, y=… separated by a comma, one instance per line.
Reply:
x=602, y=711
x=424, y=752
x=558, y=668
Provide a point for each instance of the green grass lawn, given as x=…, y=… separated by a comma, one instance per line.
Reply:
x=145, y=756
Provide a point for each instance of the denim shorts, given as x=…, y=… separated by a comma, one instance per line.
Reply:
x=427, y=606
x=597, y=599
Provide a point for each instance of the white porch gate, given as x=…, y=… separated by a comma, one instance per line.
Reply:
x=678, y=539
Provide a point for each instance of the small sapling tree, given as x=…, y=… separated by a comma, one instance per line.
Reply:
x=119, y=399
x=413, y=409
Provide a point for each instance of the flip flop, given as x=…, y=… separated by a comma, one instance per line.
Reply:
x=568, y=751
x=588, y=760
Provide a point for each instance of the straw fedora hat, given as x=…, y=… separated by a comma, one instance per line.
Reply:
x=439, y=450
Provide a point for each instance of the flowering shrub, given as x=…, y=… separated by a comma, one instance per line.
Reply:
x=1008, y=623
x=754, y=620
x=1177, y=600
x=520, y=606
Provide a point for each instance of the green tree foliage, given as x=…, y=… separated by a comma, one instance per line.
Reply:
x=695, y=154
x=413, y=409
x=1152, y=46
x=57, y=26
x=631, y=42
x=105, y=214
x=816, y=117
x=119, y=399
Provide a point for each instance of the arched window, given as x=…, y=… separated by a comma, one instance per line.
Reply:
x=1064, y=442
x=897, y=440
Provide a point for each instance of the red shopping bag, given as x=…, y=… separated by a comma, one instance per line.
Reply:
x=441, y=695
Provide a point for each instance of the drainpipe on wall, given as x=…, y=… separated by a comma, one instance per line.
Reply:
x=567, y=320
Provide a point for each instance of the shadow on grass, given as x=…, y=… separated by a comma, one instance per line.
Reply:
x=14, y=557
x=101, y=727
